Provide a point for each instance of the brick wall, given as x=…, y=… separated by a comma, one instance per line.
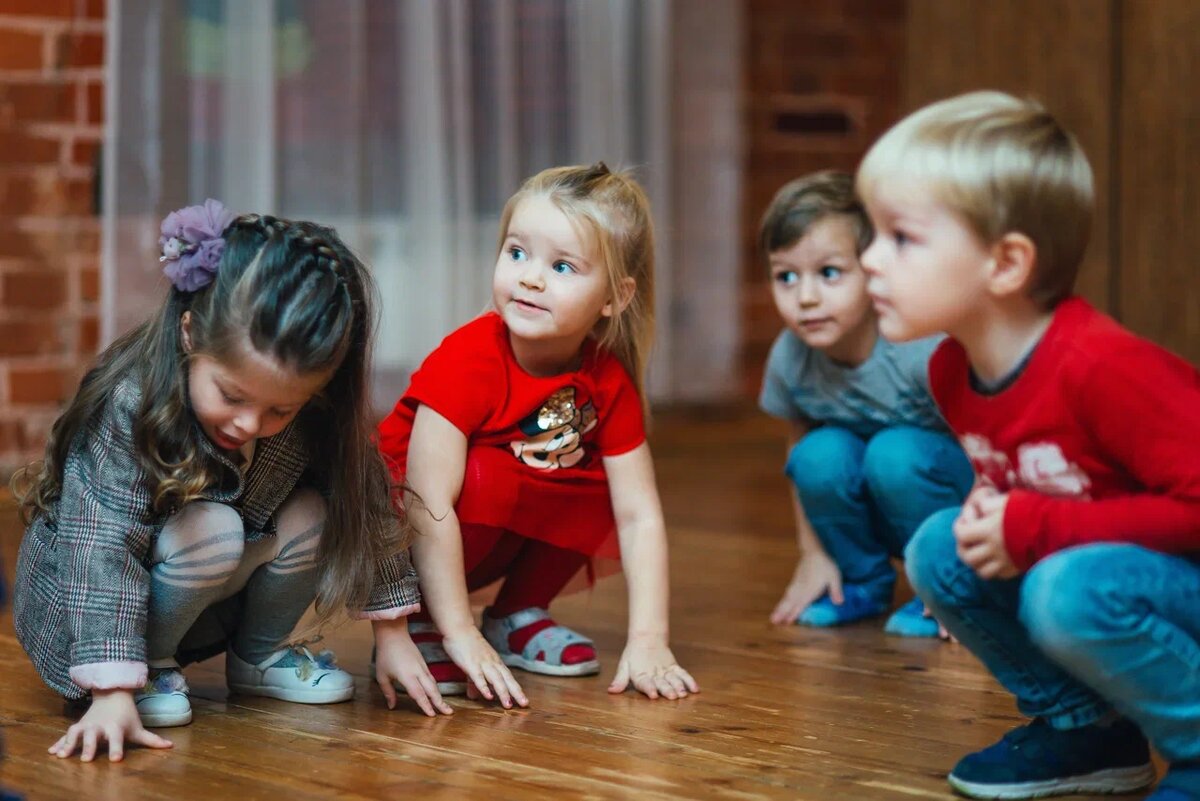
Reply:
x=51, y=124
x=822, y=81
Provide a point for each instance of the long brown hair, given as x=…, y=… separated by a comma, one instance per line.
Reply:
x=616, y=211
x=298, y=295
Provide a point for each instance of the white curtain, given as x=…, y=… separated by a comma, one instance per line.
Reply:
x=406, y=124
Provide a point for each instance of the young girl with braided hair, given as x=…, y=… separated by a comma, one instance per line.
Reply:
x=523, y=435
x=214, y=475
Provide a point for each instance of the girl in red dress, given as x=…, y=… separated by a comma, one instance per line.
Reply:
x=522, y=440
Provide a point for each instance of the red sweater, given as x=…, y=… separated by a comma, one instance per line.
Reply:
x=1097, y=440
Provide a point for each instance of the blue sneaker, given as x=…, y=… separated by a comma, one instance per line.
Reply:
x=910, y=621
x=857, y=604
x=1038, y=760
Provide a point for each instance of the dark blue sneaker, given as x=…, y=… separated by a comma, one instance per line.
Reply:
x=857, y=604
x=1038, y=760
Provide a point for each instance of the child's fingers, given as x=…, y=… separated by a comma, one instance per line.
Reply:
x=116, y=743
x=480, y=683
x=676, y=684
x=431, y=691
x=835, y=591
x=498, y=685
x=620, y=682
x=89, y=744
x=644, y=683
x=514, y=687
x=386, y=687
x=688, y=681
x=418, y=694
x=149, y=739
x=786, y=611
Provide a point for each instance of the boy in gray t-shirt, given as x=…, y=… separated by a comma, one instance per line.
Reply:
x=869, y=456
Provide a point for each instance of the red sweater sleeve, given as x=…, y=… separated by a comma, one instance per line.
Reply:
x=1141, y=408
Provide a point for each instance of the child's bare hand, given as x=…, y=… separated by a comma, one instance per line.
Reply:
x=483, y=666
x=112, y=718
x=979, y=532
x=816, y=575
x=397, y=659
x=653, y=671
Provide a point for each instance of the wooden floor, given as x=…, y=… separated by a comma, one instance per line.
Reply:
x=784, y=713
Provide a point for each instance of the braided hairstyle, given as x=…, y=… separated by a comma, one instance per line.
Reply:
x=293, y=292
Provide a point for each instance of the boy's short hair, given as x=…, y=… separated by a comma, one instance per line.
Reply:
x=1003, y=165
x=801, y=203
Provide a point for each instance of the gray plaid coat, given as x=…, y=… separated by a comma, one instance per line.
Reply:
x=83, y=581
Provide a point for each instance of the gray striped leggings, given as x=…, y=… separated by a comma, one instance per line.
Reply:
x=202, y=557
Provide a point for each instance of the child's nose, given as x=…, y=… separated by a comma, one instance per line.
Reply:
x=869, y=258
x=809, y=294
x=531, y=276
x=248, y=424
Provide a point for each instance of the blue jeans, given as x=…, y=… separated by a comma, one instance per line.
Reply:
x=865, y=498
x=1087, y=630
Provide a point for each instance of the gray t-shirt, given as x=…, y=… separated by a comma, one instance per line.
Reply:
x=890, y=388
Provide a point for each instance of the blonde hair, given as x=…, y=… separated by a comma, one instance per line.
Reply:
x=1003, y=165
x=804, y=202
x=615, y=211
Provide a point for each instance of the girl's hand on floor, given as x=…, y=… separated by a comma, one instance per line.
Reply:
x=483, y=666
x=112, y=718
x=397, y=659
x=816, y=575
x=653, y=671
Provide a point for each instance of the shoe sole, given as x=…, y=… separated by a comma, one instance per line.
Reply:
x=166, y=721
x=296, y=696
x=535, y=666
x=1102, y=782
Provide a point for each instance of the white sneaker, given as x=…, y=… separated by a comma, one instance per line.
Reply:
x=292, y=673
x=163, y=702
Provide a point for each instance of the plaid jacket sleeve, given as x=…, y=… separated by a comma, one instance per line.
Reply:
x=103, y=538
x=395, y=593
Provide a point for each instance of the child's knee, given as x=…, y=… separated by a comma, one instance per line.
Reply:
x=1074, y=597
x=903, y=460
x=828, y=458
x=931, y=559
x=203, y=542
x=304, y=509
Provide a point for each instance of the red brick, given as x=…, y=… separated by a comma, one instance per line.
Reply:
x=45, y=194
x=83, y=152
x=95, y=104
x=43, y=101
x=73, y=236
x=29, y=337
x=38, y=385
x=21, y=148
x=79, y=50
x=34, y=289
x=20, y=50
x=40, y=8
x=89, y=336
x=89, y=284
x=96, y=9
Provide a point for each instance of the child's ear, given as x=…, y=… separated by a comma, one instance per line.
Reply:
x=624, y=295
x=1014, y=256
x=185, y=331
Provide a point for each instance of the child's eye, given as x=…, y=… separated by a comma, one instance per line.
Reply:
x=231, y=400
x=831, y=273
x=900, y=238
x=787, y=277
x=516, y=254
x=562, y=267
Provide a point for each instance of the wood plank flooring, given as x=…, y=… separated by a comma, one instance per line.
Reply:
x=784, y=712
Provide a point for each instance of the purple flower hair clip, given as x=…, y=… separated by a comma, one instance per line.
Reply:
x=192, y=244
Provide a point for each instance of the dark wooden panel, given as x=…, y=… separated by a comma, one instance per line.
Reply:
x=1159, y=154
x=1058, y=51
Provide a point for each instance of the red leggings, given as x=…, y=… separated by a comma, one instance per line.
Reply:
x=534, y=572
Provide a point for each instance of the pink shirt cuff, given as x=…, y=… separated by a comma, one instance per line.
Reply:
x=389, y=614
x=110, y=675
